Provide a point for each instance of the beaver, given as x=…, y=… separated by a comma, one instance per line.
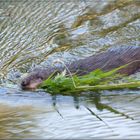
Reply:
x=107, y=60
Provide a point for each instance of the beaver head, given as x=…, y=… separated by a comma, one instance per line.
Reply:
x=33, y=80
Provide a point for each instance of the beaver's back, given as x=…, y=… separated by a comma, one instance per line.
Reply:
x=109, y=60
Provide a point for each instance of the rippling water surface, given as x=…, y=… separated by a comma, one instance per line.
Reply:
x=35, y=33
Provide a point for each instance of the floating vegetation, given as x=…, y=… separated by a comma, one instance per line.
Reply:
x=96, y=80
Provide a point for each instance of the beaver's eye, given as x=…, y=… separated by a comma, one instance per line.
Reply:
x=38, y=77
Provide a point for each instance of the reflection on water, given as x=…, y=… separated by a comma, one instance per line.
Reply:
x=17, y=121
x=32, y=32
x=40, y=115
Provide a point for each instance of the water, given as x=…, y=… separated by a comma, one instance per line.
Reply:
x=40, y=115
x=35, y=33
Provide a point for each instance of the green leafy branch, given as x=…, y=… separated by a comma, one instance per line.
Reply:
x=94, y=81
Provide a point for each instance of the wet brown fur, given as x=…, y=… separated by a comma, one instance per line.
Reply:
x=106, y=61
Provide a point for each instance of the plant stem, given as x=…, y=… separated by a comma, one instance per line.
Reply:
x=111, y=87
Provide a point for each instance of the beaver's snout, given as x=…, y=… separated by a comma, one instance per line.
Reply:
x=30, y=84
x=33, y=80
x=24, y=83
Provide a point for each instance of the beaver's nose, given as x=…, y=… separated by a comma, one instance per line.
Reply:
x=24, y=84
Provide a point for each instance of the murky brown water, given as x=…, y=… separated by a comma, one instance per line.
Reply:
x=35, y=33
